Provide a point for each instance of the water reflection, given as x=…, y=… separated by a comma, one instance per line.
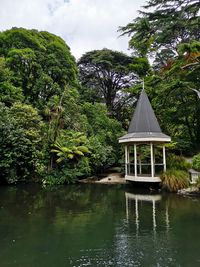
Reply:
x=149, y=214
x=153, y=199
x=130, y=197
x=95, y=225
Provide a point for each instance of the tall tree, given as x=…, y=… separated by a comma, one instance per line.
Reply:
x=20, y=142
x=8, y=92
x=109, y=74
x=41, y=63
x=175, y=95
x=162, y=26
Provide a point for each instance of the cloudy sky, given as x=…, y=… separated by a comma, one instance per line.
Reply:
x=84, y=24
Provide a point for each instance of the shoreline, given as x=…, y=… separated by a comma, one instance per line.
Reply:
x=111, y=178
x=190, y=191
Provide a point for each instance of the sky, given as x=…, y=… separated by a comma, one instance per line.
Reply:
x=85, y=25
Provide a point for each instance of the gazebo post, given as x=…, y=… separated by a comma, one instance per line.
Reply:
x=164, y=159
x=140, y=166
x=135, y=159
x=126, y=160
x=152, y=161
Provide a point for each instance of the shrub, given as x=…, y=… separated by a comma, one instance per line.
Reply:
x=20, y=143
x=173, y=180
x=177, y=163
x=196, y=162
x=60, y=177
x=102, y=155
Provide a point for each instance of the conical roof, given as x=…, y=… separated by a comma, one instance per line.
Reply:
x=144, y=119
x=144, y=125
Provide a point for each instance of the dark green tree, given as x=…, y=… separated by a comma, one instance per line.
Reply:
x=41, y=63
x=8, y=92
x=42, y=108
x=108, y=74
x=162, y=26
x=20, y=143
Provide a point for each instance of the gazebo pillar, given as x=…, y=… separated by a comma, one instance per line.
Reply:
x=135, y=159
x=140, y=165
x=126, y=159
x=164, y=159
x=152, y=161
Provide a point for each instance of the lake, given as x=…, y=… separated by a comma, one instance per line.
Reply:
x=97, y=225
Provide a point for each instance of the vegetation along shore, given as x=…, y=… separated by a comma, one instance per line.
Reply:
x=60, y=119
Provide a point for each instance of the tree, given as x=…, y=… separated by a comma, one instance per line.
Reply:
x=20, y=143
x=103, y=133
x=174, y=93
x=70, y=146
x=8, y=92
x=48, y=131
x=109, y=74
x=182, y=75
x=168, y=31
x=158, y=32
x=41, y=63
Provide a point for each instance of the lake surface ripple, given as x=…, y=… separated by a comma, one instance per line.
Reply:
x=97, y=226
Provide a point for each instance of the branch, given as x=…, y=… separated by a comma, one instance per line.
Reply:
x=189, y=65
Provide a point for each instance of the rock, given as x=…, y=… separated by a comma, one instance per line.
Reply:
x=189, y=191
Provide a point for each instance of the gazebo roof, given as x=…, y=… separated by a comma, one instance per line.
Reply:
x=144, y=126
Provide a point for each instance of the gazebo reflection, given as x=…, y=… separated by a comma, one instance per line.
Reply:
x=140, y=198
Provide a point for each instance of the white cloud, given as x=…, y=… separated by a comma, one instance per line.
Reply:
x=84, y=24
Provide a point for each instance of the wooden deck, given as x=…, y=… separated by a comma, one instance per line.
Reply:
x=143, y=178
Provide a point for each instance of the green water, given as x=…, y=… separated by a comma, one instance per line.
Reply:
x=96, y=225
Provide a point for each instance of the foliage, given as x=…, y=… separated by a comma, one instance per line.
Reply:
x=174, y=180
x=104, y=129
x=106, y=75
x=65, y=176
x=71, y=138
x=175, y=98
x=196, y=162
x=167, y=33
x=41, y=63
x=56, y=130
x=162, y=26
x=20, y=143
x=102, y=155
x=70, y=146
x=8, y=92
x=177, y=162
x=67, y=173
x=63, y=112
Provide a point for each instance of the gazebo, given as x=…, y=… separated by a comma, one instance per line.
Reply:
x=144, y=133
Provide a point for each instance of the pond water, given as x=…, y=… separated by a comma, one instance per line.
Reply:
x=97, y=225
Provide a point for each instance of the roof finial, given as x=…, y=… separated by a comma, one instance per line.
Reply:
x=143, y=84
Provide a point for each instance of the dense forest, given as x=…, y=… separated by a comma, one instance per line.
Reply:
x=60, y=120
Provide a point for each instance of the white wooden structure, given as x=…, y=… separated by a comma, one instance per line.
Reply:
x=143, y=130
x=194, y=175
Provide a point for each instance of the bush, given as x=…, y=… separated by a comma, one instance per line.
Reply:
x=60, y=177
x=177, y=163
x=196, y=162
x=174, y=180
x=102, y=155
x=20, y=143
